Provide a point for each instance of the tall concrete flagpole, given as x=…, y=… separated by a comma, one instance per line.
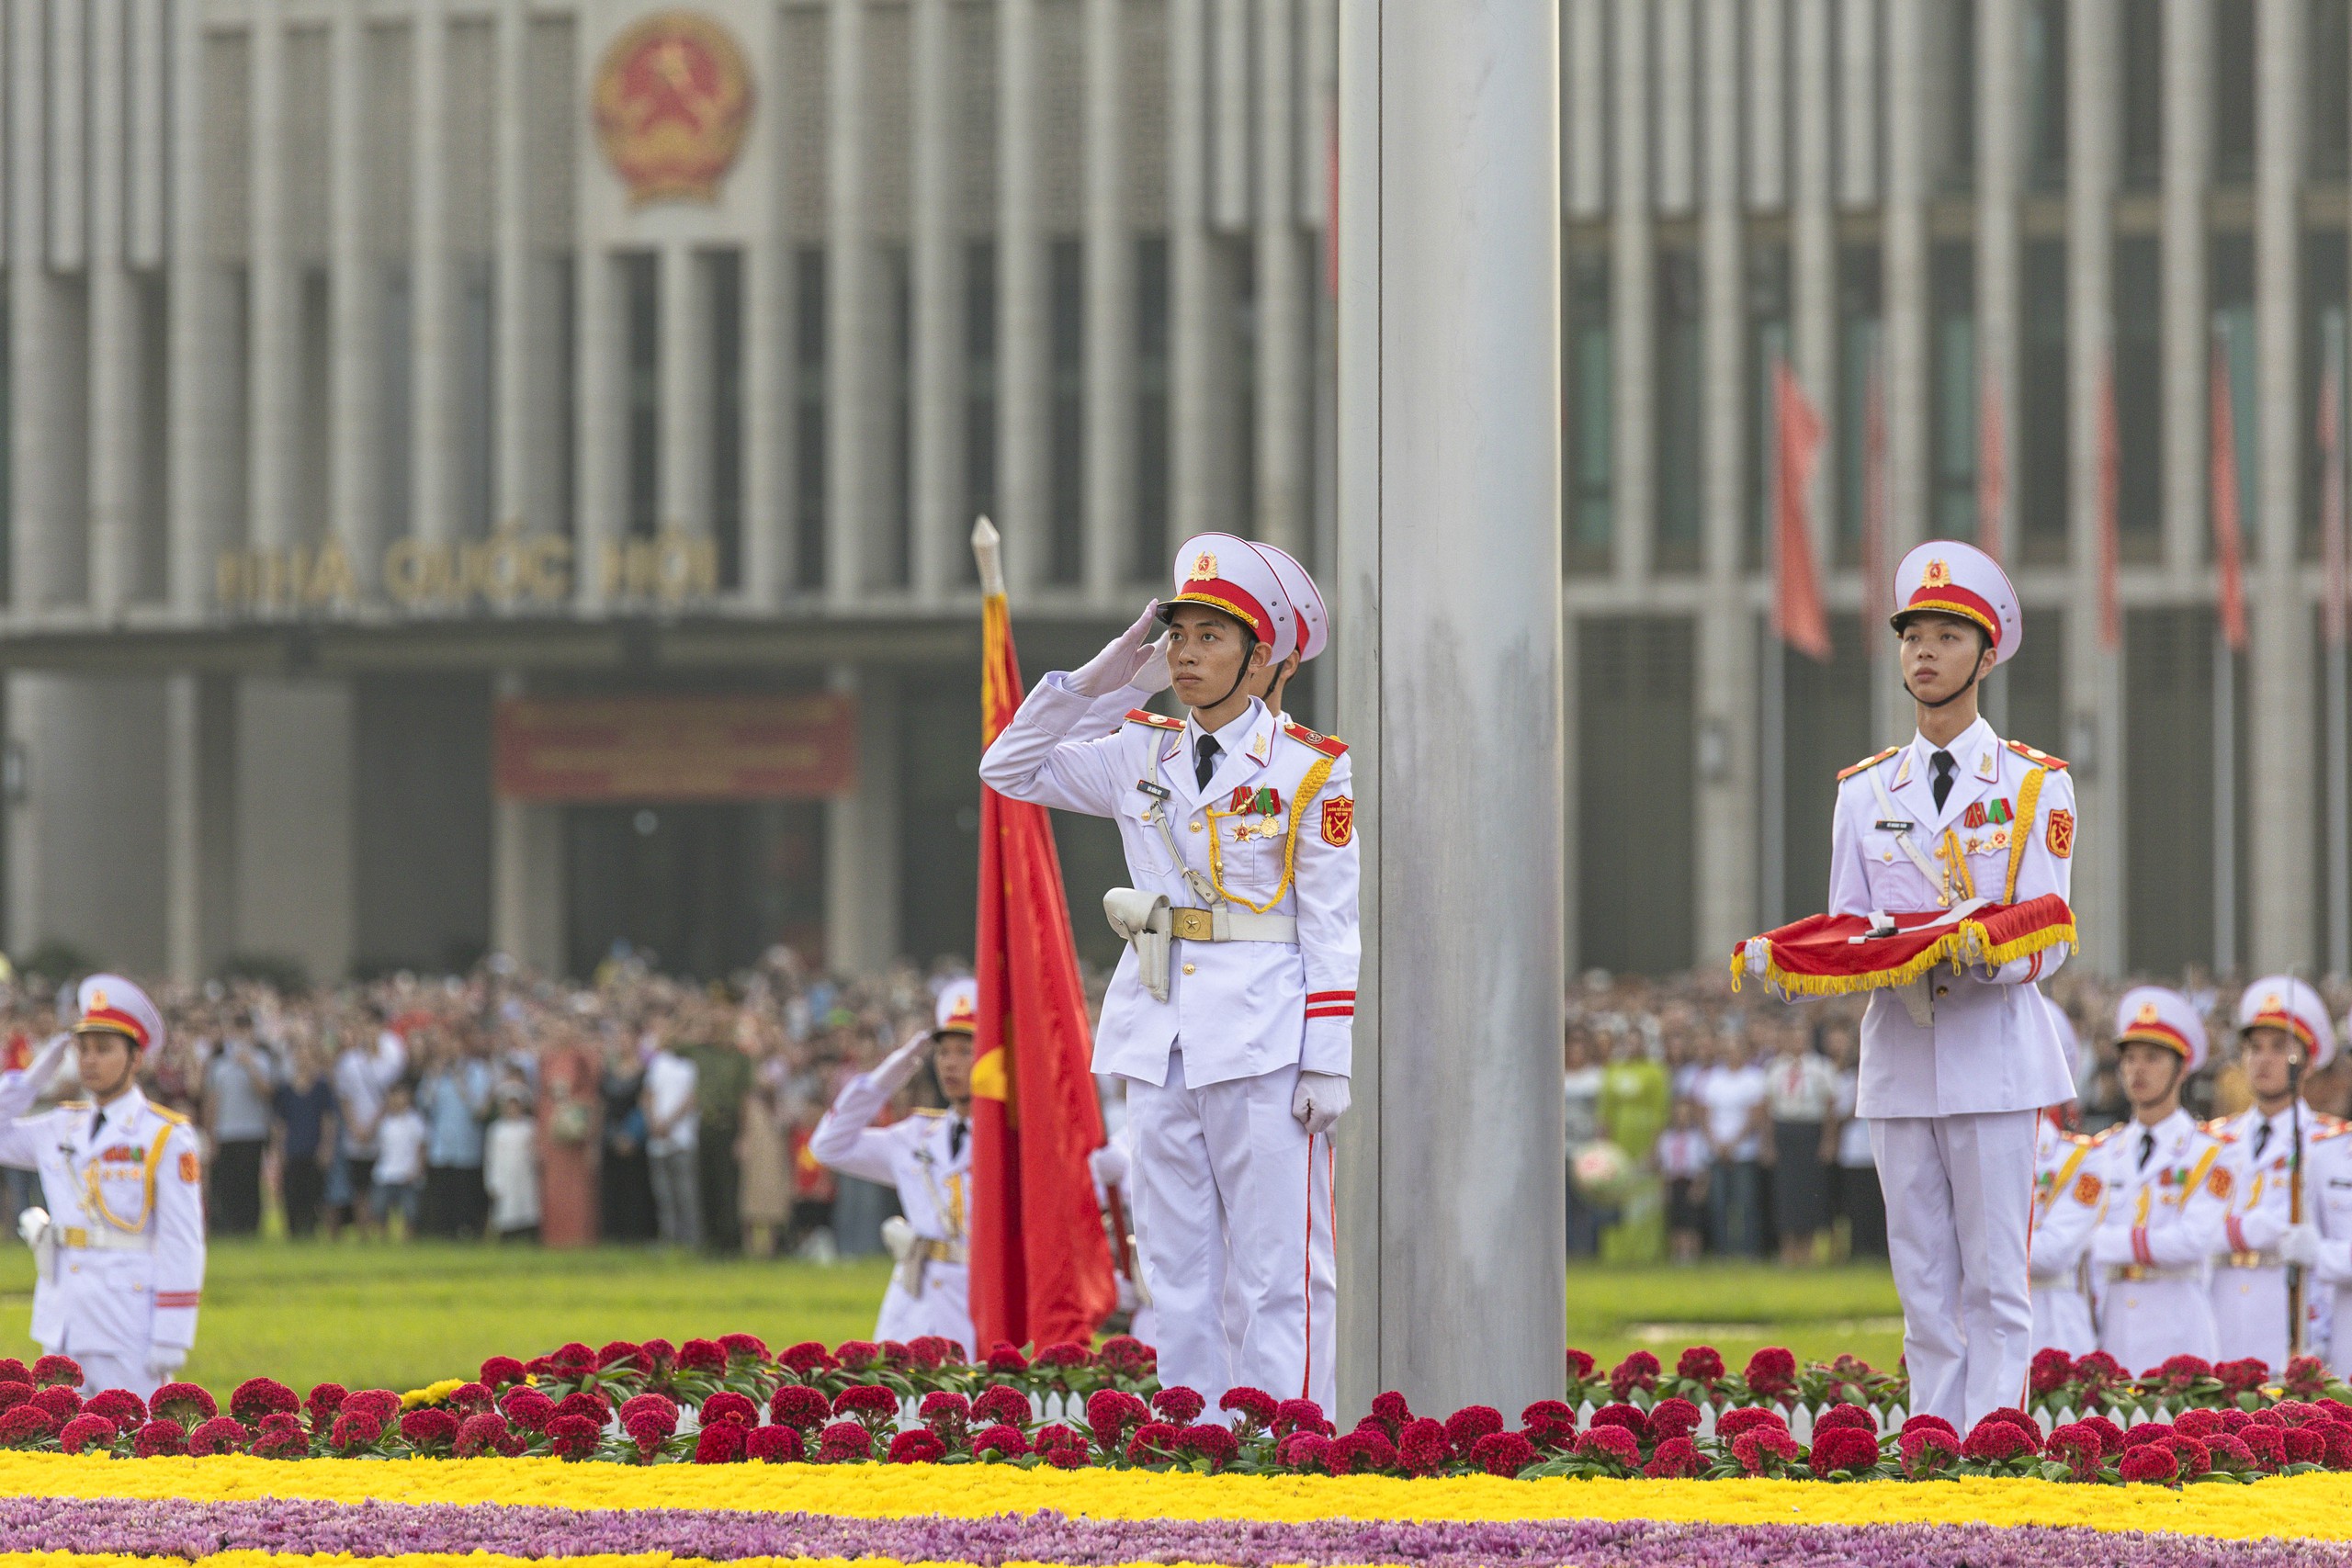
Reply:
x=1452, y=1213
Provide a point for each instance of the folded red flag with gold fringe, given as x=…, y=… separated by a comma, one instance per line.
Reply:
x=1833, y=955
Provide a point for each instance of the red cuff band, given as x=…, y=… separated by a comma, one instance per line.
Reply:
x=1341, y=1010
x=2237, y=1236
x=1315, y=996
x=2140, y=1245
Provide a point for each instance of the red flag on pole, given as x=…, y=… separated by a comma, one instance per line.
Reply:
x=1992, y=465
x=1040, y=1262
x=1797, y=617
x=2227, y=549
x=2331, y=498
x=1875, y=607
x=2110, y=501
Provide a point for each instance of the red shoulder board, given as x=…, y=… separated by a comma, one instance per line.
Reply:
x=1156, y=720
x=2040, y=758
x=1844, y=773
x=1330, y=745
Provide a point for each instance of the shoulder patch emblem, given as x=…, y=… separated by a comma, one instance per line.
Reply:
x=1339, y=820
x=191, y=1168
x=1156, y=720
x=2038, y=758
x=2086, y=1189
x=2218, y=1183
x=1330, y=745
x=1867, y=762
x=2062, y=833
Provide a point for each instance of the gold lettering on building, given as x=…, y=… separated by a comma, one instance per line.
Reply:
x=510, y=569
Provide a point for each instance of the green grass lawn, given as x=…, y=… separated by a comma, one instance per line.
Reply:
x=401, y=1316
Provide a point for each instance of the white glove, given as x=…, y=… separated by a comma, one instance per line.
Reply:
x=1121, y=660
x=2300, y=1245
x=32, y=1224
x=1319, y=1102
x=1109, y=1165
x=898, y=1238
x=162, y=1360
x=903, y=1063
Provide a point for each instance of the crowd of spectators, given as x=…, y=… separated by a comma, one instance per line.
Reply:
x=504, y=1105
x=1705, y=1122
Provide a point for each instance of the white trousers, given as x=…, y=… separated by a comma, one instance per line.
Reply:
x=1959, y=1212
x=101, y=1371
x=945, y=1308
x=1233, y=1201
x=2062, y=1317
x=2250, y=1314
x=2142, y=1322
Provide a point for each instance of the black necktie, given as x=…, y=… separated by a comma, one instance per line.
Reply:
x=1207, y=763
x=1943, y=767
x=955, y=1137
x=2147, y=1147
x=2260, y=1139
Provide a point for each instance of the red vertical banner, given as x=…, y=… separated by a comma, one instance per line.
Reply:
x=1991, y=463
x=1040, y=1261
x=1797, y=617
x=2111, y=502
x=2228, y=549
x=1877, y=602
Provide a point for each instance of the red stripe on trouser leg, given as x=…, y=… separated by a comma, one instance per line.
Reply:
x=1306, y=1278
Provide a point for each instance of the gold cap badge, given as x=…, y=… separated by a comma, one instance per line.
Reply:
x=1204, y=566
x=1937, y=575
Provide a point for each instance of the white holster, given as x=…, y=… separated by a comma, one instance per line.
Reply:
x=1142, y=922
x=898, y=1241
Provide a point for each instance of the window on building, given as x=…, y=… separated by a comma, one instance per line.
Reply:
x=2043, y=487
x=1591, y=422
x=2231, y=293
x=154, y=560
x=726, y=367
x=1953, y=390
x=1861, y=394
x=894, y=489
x=477, y=402
x=809, y=415
x=980, y=388
x=1681, y=412
x=2324, y=354
x=2045, y=95
x=1636, y=765
x=2141, y=25
x=1241, y=261
x=1957, y=122
x=566, y=469
x=1768, y=345
x=1065, y=454
x=641, y=370
x=1152, y=466
x=2328, y=89
x=2138, y=380
x=7, y=431
x=2233, y=67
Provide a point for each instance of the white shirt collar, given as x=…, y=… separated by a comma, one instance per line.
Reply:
x=1966, y=748
x=117, y=1116
x=1234, y=736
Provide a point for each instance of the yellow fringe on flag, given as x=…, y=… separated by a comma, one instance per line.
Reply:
x=1956, y=946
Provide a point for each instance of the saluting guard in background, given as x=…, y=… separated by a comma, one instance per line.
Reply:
x=2065, y=1212
x=2167, y=1191
x=2285, y=1032
x=1230, y=1013
x=121, y=1246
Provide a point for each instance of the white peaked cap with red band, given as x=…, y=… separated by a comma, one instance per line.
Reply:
x=1226, y=572
x=2281, y=1001
x=959, y=1008
x=1948, y=578
x=2157, y=1015
x=1305, y=599
x=111, y=1005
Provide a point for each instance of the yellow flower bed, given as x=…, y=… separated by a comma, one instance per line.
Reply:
x=2316, y=1506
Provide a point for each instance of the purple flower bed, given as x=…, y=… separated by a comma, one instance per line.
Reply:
x=190, y=1529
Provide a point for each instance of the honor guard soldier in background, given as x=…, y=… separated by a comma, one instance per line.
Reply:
x=2066, y=1211
x=2321, y=1245
x=121, y=1248
x=928, y=1157
x=1231, y=1014
x=2167, y=1191
x=1954, y=1077
x=2283, y=1031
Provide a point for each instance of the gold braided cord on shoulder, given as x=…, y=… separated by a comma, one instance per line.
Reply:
x=2021, y=829
x=1308, y=788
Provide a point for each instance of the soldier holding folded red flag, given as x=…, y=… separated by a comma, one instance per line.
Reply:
x=1231, y=1014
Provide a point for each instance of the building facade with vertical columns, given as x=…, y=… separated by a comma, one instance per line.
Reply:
x=495, y=474
x=1957, y=222
x=382, y=379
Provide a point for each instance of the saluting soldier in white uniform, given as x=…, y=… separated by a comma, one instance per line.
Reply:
x=2282, y=1027
x=2166, y=1193
x=2066, y=1211
x=1230, y=1013
x=2321, y=1244
x=928, y=1157
x=120, y=1247
x=1953, y=1075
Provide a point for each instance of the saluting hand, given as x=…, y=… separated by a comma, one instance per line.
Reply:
x=1122, y=659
